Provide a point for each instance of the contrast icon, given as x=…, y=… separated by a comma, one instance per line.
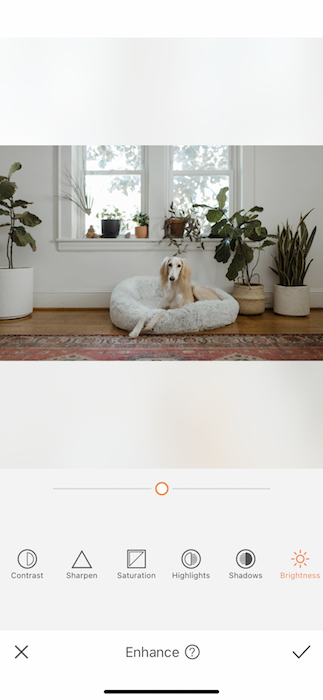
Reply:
x=27, y=559
x=191, y=558
x=245, y=558
x=300, y=559
x=192, y=651
x=136, y=558
x=81, y=562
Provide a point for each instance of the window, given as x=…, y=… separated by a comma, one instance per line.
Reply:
x=147, y=179
x=115, y=178
x=197, y=175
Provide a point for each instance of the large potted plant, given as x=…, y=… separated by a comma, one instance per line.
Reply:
x=16, y=284
x=291, y=295
x=242, y=239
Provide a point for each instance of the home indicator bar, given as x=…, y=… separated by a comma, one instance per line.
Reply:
x=162, y=692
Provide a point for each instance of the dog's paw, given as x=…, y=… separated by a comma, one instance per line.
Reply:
x=134, y=334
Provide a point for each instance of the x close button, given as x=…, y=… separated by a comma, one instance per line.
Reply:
x=21, y=652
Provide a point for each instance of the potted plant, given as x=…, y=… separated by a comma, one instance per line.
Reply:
x=141, y=231
x=182, y=225
x=291, y=295
x=112, y=221
x=174, y=225
x=242, y=239
x=16, y=284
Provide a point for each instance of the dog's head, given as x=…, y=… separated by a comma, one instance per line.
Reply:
x=173, y=269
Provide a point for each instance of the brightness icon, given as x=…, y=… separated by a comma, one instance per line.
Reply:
x=300, y=558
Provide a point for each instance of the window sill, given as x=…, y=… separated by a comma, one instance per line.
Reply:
x=94, y=245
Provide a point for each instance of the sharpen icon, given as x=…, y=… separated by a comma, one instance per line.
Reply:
x=136, y=558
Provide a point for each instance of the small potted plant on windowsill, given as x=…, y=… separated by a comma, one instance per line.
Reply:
x=174, y=225
x=291, y=295
x=141, y=231
x=16, y=284
x=112, y=222
x=242, y=237
x=186, y=227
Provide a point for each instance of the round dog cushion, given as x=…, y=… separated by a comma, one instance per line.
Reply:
x=135, y=296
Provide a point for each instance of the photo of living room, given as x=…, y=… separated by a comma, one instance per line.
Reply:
x=191, y=252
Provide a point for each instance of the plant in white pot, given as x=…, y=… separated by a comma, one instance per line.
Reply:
x=291, y=295
x=242, y=239
x=16, y=284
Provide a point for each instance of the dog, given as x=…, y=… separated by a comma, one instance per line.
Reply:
x=175, y=277
x=176, y=285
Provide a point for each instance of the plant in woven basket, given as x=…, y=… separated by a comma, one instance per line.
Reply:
x=17, y=220
x=292, y=252
x=242, y=238
x=188, y=225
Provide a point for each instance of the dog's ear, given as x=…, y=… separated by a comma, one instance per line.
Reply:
x=164, y=272
x=185, y=275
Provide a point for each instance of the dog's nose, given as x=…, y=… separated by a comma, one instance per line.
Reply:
x=172, y=279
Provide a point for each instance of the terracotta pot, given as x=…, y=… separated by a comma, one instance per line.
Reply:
x=16, y=292
x=251, y=299
x=177, y=227
x=292, y=301
x=141, y=231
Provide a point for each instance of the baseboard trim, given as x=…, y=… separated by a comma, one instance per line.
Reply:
x=101, y=300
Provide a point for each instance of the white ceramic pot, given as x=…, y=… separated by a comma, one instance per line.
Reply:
x=292, y=301
x=16, y=292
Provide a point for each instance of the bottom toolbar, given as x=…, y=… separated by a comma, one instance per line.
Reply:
x=87, y=665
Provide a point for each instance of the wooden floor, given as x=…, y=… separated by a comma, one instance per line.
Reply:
x=97, y=322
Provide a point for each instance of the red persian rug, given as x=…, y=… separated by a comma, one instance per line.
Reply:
x=160, y=348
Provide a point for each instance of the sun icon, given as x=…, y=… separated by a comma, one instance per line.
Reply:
x=300, y=558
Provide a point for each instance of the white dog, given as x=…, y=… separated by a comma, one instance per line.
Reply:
x=175, y=274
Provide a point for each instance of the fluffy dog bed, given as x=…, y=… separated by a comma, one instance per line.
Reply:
x=134, y=296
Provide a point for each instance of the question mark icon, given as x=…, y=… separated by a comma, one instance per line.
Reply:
x=192, y=651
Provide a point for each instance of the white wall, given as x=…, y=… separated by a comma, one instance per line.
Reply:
x=285, y=180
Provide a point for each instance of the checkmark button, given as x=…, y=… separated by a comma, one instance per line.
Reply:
x=136, y=558
x=303, y=652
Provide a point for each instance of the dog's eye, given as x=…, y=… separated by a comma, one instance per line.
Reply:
x=178, y=265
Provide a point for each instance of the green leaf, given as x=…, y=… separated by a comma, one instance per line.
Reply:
x=214, y=215
x=21, y=237
x=7, y=189
x=28, y=219
x=265, y=244
x=256, y=209
x=237, y=264
x=14, y=167
x=246, y=252
x=217, y=230
x=222, y=197
x=257, y=235
x=8, y=224
x=4, y=211
x=21, y=203
x=223, y=251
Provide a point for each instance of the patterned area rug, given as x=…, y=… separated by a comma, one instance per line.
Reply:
x=160, y=348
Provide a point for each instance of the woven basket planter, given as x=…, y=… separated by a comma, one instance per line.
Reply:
x=251, y=299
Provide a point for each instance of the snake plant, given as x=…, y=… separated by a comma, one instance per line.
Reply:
x=292, y=252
